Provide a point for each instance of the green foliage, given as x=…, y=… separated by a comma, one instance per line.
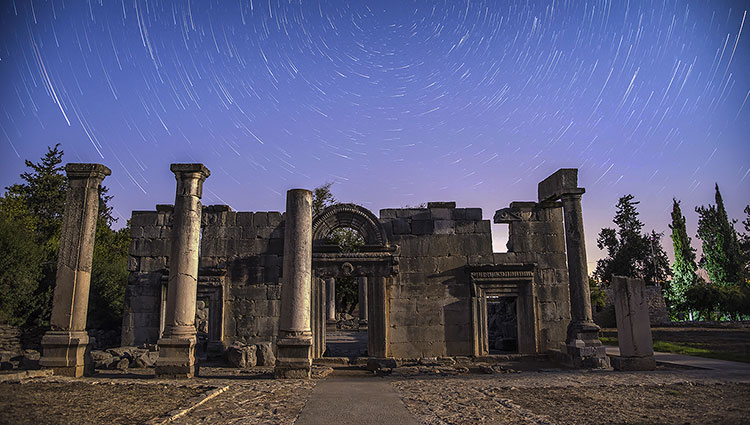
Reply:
x=348, y=240
x=597, y=294
x=20, y=270
x=716, y=302
x=629, y=252
x=684, y=268
x=322, y=198
x=31, y=214
x=109, y=276
x=721, y=249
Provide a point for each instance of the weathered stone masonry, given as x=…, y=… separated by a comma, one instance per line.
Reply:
x=429, y=275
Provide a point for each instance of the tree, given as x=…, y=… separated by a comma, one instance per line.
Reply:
x=684, y=268
x=721, y=249
x=348, y=240
x=629, y=252
x=31, y=214
x=745, y=245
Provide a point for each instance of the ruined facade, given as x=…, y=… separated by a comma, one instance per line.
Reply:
x=433, y=285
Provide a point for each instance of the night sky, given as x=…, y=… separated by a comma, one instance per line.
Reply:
x=397, y=102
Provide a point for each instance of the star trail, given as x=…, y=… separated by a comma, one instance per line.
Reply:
x=397, y=102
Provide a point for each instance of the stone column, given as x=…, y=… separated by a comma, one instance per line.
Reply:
x=331, y=299
x=65, y=346
x=177, y=344
x=582, y=344
x=362, y=280
x=294, y=343
x=582, y=347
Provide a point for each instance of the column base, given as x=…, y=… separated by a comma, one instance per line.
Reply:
x=583, y=350
x=176, y=357
x=633, y=363
x=67, y=353
x=293, y=360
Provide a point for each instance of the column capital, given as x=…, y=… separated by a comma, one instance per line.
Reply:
x=86, y=171
x=572, y=194
x=190, y=171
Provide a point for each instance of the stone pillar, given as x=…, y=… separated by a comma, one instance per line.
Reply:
x=331, y=299
x=65, y=346
x=362, y=280
x=177, y=344
x=633, y=325
x=582, y=346
x=294, y=343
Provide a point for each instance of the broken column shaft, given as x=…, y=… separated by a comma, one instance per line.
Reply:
x=294, y=359
x=177, y=344
x=65, y=345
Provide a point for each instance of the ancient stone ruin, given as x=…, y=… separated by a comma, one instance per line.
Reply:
x=430, y=284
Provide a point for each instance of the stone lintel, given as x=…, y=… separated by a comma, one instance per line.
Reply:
x=561, y=182
x=442, y=204
x=86, y=171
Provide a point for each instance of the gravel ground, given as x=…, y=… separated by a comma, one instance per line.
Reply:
x=569, y=399
x=80, y=402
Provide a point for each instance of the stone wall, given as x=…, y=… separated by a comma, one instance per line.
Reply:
x=430, y=302
x=240, y=260
x=657, y=308
x=430, y=299
x=10, y=339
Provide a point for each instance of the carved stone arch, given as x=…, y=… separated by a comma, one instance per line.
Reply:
x=349, y=215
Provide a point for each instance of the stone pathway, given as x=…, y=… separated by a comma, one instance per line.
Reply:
x=353, y=397
x=693, y=361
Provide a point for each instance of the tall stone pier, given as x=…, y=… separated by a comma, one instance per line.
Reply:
x=177, y=344
x=582, y=347
x=65, y=347
x=294, y=359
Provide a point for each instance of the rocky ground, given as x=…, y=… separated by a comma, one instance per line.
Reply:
x=66, y=402
x=570, y=399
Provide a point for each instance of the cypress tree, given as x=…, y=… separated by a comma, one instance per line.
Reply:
x=721, y=249
x=684, y=267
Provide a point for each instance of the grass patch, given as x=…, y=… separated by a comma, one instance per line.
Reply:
x=688, y=350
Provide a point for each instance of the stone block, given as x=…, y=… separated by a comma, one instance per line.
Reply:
x=274, y=218
x=483, y=226
x=273, y=292
x=444, y=227
x=152, y=232
x=244, y=219
x=143, y=218
x=401, y=226
x=473, y=213
x=388, y=213
x=631, y=312
x=261, y=219
x=564, y=180
x=442, y=204
x=450, y=263
x=422, y=227
x=633, y=363
x=441, y=213
x=465, y=226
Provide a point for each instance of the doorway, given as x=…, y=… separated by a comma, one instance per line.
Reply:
x=502, y=325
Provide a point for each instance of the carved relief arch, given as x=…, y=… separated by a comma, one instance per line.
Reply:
x=348, y=215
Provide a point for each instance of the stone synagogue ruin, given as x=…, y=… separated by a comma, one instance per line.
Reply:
x=429, y=282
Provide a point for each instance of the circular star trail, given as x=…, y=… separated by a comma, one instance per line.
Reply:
x=398, y=102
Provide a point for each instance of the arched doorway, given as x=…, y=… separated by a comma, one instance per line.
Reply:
x=374, y=261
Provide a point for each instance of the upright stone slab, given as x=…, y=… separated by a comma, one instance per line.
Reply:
x=633, y=325
x=294, y=357
x=177, y=344
x=582, y=346
x=331, y=300
x=362, y=281
x=65, y=345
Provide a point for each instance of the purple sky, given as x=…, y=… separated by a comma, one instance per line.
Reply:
x=397, y=102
